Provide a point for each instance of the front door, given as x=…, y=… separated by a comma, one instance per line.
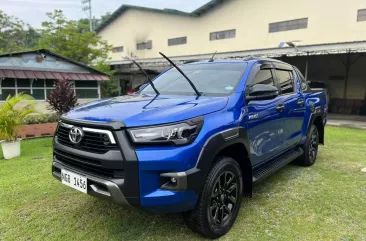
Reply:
x=264, y=122
x=294, y=110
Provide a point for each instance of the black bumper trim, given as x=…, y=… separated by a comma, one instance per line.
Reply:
x=107, y=189
x=188, y=180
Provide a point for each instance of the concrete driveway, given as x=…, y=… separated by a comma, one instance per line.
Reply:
x=350, y=121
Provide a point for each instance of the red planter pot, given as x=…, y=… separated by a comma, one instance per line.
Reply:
x=37, y=130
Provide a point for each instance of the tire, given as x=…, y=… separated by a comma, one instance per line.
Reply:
x=310, y=148
x=217, y=208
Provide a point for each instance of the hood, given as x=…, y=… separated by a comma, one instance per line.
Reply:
x=142, y=110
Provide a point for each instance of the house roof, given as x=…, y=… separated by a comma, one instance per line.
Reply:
x=196, y=13
x=45, y=51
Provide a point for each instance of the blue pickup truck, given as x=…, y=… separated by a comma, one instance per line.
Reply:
x=194, y=140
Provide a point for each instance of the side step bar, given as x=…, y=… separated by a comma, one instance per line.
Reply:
x=273, y=166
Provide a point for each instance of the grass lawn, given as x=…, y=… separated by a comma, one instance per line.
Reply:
x=323, y=202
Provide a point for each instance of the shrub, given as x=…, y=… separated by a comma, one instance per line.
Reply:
x=41, y=119
x=109, y=89
x=63, y=98
x=12, y=115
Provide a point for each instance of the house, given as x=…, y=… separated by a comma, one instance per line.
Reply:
x=35, y=72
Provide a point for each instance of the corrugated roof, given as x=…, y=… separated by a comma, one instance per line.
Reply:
x=302, y=50
x=201, y=10
x=45, y=51
x=28, y=74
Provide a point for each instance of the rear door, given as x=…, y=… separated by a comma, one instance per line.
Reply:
x=292, y=97
x=264, y=120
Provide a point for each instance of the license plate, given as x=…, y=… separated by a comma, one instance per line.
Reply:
x=74, y=180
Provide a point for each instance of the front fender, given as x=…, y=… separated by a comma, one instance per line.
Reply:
x=211, y=149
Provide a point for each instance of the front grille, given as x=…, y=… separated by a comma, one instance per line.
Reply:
x=86, y=164
x=91, y=142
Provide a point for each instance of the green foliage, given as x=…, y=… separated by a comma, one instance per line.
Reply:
x=104, y=17
x=15, y=35
x=70, y=39
x=12, y=114
x=41, y=119
x=108, y=88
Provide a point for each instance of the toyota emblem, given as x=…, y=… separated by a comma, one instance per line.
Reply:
x=76, y=135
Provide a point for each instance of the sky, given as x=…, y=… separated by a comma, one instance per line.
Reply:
x=34, y=11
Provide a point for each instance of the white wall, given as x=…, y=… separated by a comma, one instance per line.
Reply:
x=329, y=21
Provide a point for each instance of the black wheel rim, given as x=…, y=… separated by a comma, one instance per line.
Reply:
x=223, y=199
x=313, y=146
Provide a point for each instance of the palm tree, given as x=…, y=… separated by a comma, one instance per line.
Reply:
x=12, y=116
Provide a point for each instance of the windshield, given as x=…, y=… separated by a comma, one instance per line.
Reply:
x=210, y=79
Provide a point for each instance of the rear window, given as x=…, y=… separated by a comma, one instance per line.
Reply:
x=219, y=79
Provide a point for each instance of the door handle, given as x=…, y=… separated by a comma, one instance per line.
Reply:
x=280, y=107
x=301, y=102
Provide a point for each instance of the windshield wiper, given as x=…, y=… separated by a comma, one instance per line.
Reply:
x=180, y=71
x=143, y=71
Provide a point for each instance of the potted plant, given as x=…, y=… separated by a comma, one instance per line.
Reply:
x=12, y=113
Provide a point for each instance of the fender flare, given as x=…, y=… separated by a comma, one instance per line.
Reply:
x=313, y=117
x=212, y=147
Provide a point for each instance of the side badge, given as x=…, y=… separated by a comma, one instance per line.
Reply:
x=251, y=117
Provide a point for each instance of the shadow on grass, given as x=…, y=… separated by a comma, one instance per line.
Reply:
x=129, y=223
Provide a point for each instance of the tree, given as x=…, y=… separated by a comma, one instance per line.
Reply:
x=32, y=36
x=109, y=88
x=73, y=39
x=15, y=35
x=63, y=98
x=102, y=18
x=70, y=39
x=12, y=33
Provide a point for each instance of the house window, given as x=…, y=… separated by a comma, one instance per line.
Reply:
x=117, y=49
x=177, y=41
x=145, y=45
x=40, y=88
x=361, y=15
x=288, y=25
x=86, y=89
x=223, y=34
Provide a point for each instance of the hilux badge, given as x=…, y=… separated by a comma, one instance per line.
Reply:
x=255, y=116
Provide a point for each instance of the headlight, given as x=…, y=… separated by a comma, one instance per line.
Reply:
x=178, y=134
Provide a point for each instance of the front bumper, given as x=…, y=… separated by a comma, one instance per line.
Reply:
x=134, y=176
x=165, y=199
x=98, y=187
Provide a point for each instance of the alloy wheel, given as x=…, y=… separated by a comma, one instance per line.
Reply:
x=313, y=145
x=223, y=199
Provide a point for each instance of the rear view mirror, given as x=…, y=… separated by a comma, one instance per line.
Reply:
x=262, y=92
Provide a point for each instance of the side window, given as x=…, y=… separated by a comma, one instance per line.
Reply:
x=264, y=77
x=304, y=84
x=286, y=81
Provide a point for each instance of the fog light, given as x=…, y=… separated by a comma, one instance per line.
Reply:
x=173, y=180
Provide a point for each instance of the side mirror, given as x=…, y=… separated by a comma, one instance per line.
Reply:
x=262, y=92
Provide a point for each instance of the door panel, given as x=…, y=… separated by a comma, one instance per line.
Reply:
x=264, y=122
x=265, y=127
x=294, y=111
x=293, y=118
